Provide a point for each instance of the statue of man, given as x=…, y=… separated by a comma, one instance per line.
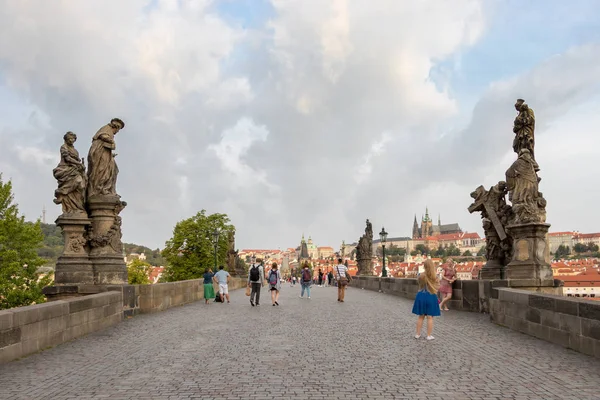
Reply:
x=102, y=168
x=524, y=127
x=70, y=174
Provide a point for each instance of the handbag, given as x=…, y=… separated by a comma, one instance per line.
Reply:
x=343, y=281
x=248, y=290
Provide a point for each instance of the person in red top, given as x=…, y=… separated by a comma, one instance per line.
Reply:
x=448, y=277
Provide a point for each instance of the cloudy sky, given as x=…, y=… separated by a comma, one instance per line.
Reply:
x=303, y=115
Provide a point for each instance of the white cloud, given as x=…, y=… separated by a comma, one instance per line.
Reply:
x=276, y=125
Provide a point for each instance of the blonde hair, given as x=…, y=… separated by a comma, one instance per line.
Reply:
x=428, y=279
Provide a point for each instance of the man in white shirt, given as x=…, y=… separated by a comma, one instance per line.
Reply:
x=342, y=276
x=222, y=278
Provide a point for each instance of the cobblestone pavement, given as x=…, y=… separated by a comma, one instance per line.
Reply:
x=307, y=349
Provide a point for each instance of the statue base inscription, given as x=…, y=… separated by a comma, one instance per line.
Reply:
x=74, y=265
x=530, y=264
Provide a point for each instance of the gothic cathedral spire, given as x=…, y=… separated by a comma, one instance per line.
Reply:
x=415, y=230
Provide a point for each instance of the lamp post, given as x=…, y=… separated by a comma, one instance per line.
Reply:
x=215, y=237
x=383, y=237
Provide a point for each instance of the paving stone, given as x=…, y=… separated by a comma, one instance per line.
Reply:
x=304, y=349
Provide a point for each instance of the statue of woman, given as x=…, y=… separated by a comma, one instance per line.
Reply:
x=524, y=127
x=102, y=168
x=70, y=174
x=522, y=180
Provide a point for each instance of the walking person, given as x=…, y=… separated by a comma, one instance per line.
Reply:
x=320, y=277
x=426, y=302
x=343, y=278
x=448, y=277
x=330, y=278
x=256, y=280
x=305, y=280
x=222, y=278
x=209, y=290
x=274, y=283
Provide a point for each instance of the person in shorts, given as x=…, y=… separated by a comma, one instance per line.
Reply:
x=222, y=279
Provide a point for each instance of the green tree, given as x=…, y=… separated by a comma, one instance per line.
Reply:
x=20, y=283
x=453, y=251
x=561, y=252
x=481, y=252
x=138, y=272
x=467, y=253
x=190, y=250
x=422, y=248
x=580, y=248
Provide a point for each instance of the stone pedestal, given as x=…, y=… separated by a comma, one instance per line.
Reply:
x=530, y=265
x=106, y=248
x=74, y=265
x=492, y=270
x=365, y=267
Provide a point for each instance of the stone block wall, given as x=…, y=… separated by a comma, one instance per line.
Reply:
x=568, y=322
x=27, y=330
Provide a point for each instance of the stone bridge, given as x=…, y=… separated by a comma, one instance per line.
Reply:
x=97, y=346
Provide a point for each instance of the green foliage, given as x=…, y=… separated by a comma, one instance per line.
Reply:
x=190, y=250
x=20, y=283
x=482, y=252
x=467, y=253
x=585, y=248
x=153, y=257
x=138, y=272
x=391, y=250
x=53, y=243
x=561, y=252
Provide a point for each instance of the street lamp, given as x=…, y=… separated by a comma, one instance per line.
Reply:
x=215, y=237
x=383, y=237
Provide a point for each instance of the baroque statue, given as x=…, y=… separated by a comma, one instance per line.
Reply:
x=72, y=181
x=524, y=127
x=496, y=215
x=364, y=251
x=102, y=168
x=522, y=181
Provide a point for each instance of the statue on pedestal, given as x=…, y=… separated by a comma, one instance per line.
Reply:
x=524, y=127
x=522, y=183
x=102, y=168
x=364, y=251
x=72, y=181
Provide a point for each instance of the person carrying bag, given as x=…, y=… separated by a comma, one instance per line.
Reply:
x=343, y=279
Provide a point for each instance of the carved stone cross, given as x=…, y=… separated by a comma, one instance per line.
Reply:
x=481, y=204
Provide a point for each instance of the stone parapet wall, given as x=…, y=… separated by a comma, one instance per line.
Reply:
x=568, y=322
x=27, y=330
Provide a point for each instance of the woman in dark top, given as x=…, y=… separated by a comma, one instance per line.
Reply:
x=209, y=290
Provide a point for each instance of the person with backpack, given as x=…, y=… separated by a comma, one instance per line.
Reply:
x=305, y=280
x=343, y=278
x=274, y=283
x=256, y=280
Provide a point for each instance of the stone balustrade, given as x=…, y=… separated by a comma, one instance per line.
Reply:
x=27, y=330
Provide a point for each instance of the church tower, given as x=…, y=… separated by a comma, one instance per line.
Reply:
x=415, y=230
x=426, y=225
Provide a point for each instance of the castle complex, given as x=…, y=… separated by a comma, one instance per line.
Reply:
x=427, y=228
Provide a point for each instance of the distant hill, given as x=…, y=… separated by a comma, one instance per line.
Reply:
x=53, y=244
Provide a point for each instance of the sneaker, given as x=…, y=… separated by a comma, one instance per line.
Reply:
x=417, y=336
x=252, y=303
x=430, y=338
x=300, y=297
x=309, y=297
x=257, y=304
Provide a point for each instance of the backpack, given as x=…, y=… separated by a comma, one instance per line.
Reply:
x=273, y=278
x=254, y=274
x=306, y=276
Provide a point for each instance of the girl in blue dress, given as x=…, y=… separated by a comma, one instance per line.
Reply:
x=426, y=302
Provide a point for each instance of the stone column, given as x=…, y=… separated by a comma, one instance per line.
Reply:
x=74, y=265
x=493, y=269
x=106, y=252
x=530, y=265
